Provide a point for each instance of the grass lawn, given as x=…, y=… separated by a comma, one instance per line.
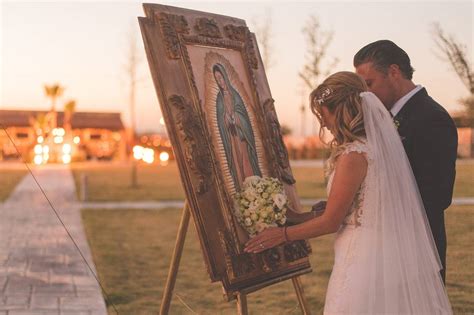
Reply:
x=112, y=182
x=8, y=181
x=132, y=250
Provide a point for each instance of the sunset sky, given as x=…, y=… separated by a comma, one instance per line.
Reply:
x=82, y=45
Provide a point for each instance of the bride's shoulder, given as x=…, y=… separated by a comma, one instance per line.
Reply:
x=359, y=146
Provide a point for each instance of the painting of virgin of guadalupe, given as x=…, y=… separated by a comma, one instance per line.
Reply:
x=235, y=129
x=233, y=126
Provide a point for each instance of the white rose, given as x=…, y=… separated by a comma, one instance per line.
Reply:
x=248, y=222
x=279, y=200
x=251, y=180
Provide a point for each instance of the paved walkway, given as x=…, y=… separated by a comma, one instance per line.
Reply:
x=157, y=205
x=41, y=271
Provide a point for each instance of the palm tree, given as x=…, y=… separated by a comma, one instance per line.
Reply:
x=69, y=109
x=39, y=124
x=53, y=92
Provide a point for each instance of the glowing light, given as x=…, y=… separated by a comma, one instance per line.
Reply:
x=61, y=132
x=76, y=140
x=66, y=148
x=45, y=149
x=162, y=121
x=40, y=139
x=58, y=139
x=38, y=159
x=66, y=158
x=38, y=149
x=164, y=156
x=148, y=156
x=138, y=152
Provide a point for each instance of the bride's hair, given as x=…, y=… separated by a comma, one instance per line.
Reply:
x=339, y=93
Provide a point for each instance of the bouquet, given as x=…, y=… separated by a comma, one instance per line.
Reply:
x=261, y=203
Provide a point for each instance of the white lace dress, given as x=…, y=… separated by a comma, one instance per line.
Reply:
x=385, y=256
x=345, y=246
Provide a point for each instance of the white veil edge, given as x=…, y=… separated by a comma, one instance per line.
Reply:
x=396, y=260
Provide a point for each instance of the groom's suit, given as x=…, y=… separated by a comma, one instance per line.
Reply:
x=430, y=139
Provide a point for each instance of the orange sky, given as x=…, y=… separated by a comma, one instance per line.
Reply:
x=82, y=46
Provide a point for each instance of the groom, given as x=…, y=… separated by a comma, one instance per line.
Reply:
x=427, y=131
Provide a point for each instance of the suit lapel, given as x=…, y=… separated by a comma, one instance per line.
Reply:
x=404, y=119
x=410, y=105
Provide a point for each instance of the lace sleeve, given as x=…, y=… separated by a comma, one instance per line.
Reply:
x=359, y=147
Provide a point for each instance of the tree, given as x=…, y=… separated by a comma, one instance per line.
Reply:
x=53, y=92
x=285, y=130
x=456, y=54
x=69, y=109
x=317, y=41
x=39, y=124
x=264, y=33
x=132, y=63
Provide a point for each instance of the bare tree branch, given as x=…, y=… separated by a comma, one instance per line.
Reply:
x=456, y=54
x=131, y=66
x=317, y=41
x=264, y=32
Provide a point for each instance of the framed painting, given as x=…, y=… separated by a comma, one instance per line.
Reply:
x=223, y=127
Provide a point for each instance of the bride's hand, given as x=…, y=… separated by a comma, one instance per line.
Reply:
x=266, y=239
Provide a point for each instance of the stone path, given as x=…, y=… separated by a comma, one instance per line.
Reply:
x=157, y=205
x=41, y=271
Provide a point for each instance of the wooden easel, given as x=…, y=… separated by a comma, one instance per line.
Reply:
x=241, y=296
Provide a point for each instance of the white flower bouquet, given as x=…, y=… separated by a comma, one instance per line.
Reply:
x=262, y=203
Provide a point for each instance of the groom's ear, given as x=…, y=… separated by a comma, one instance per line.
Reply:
x=394, y=71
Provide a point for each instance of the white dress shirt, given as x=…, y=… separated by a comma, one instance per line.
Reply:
x=397, y=107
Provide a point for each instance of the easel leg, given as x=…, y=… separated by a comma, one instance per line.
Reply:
x=173, y=271
x=242, y=304
x=300, y=294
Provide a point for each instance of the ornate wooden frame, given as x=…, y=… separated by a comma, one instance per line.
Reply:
x=168, y=32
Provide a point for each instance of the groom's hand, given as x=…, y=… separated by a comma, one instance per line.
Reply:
x=319, y=208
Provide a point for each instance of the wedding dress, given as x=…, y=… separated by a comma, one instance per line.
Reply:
x=385, y=256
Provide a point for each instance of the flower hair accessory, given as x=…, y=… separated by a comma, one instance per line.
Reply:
x=324, y=95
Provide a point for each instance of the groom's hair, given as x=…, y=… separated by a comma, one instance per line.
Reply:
x=382, y=54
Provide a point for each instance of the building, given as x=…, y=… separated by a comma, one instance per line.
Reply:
x=88, y=135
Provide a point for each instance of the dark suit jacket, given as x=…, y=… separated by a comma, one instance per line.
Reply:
x=430, y=139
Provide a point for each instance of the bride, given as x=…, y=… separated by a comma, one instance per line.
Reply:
x=385, y=257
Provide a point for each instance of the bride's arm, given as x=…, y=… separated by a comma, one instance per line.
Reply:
x=350, y=172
